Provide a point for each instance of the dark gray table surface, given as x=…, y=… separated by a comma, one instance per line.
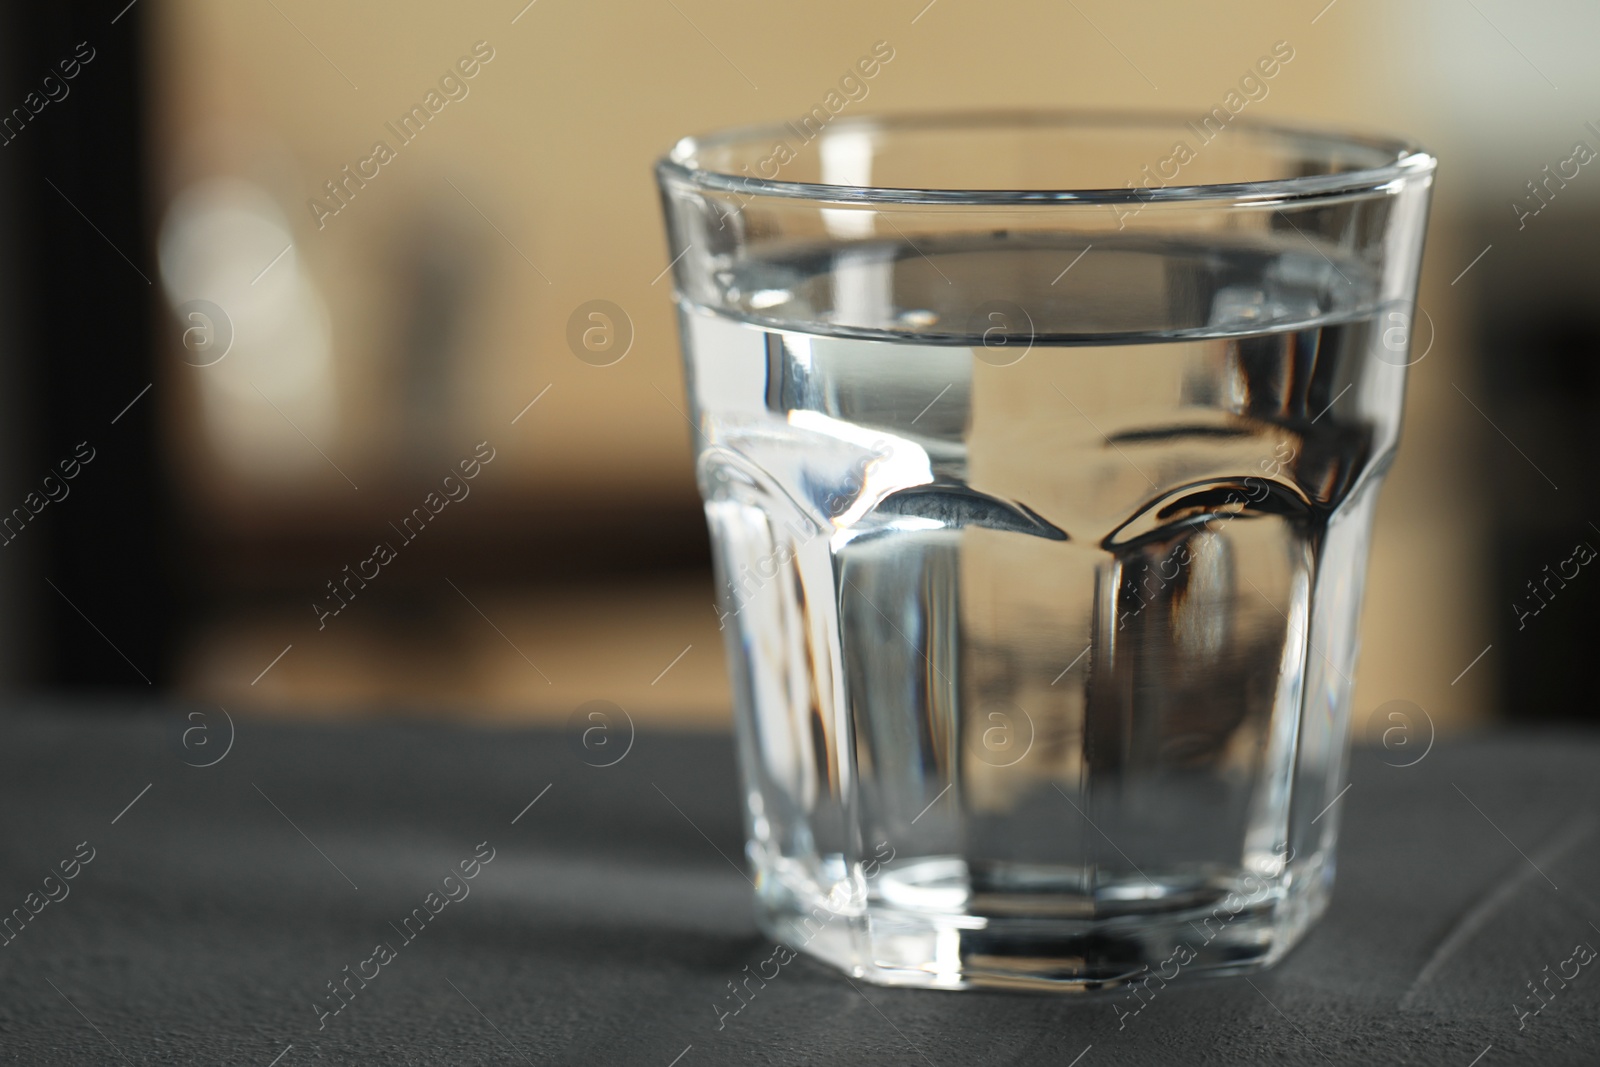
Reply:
x=219, y=905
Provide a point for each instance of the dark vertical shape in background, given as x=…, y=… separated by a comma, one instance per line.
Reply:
x=16, y=649
x=1539, y=334
x=86, y=281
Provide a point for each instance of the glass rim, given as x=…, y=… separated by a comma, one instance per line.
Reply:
x=1407, y=160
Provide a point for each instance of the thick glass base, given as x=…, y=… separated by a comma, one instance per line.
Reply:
x=938, y=923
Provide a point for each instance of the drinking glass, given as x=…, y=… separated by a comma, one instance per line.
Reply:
x=1039, y=453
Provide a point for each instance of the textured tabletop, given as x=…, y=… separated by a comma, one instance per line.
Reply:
x=204, y=922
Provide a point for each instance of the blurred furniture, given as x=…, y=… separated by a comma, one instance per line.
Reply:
x=435, y=307
x=372, y=350
x=1539, y=345
x=92, y=589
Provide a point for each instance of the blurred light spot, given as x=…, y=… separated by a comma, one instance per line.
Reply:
x=847, y=160
x=224, y=240
x=766, y=298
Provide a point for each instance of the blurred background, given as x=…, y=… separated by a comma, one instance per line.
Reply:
x=240, y=348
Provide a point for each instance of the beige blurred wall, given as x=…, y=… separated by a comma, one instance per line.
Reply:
x=553, y=148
